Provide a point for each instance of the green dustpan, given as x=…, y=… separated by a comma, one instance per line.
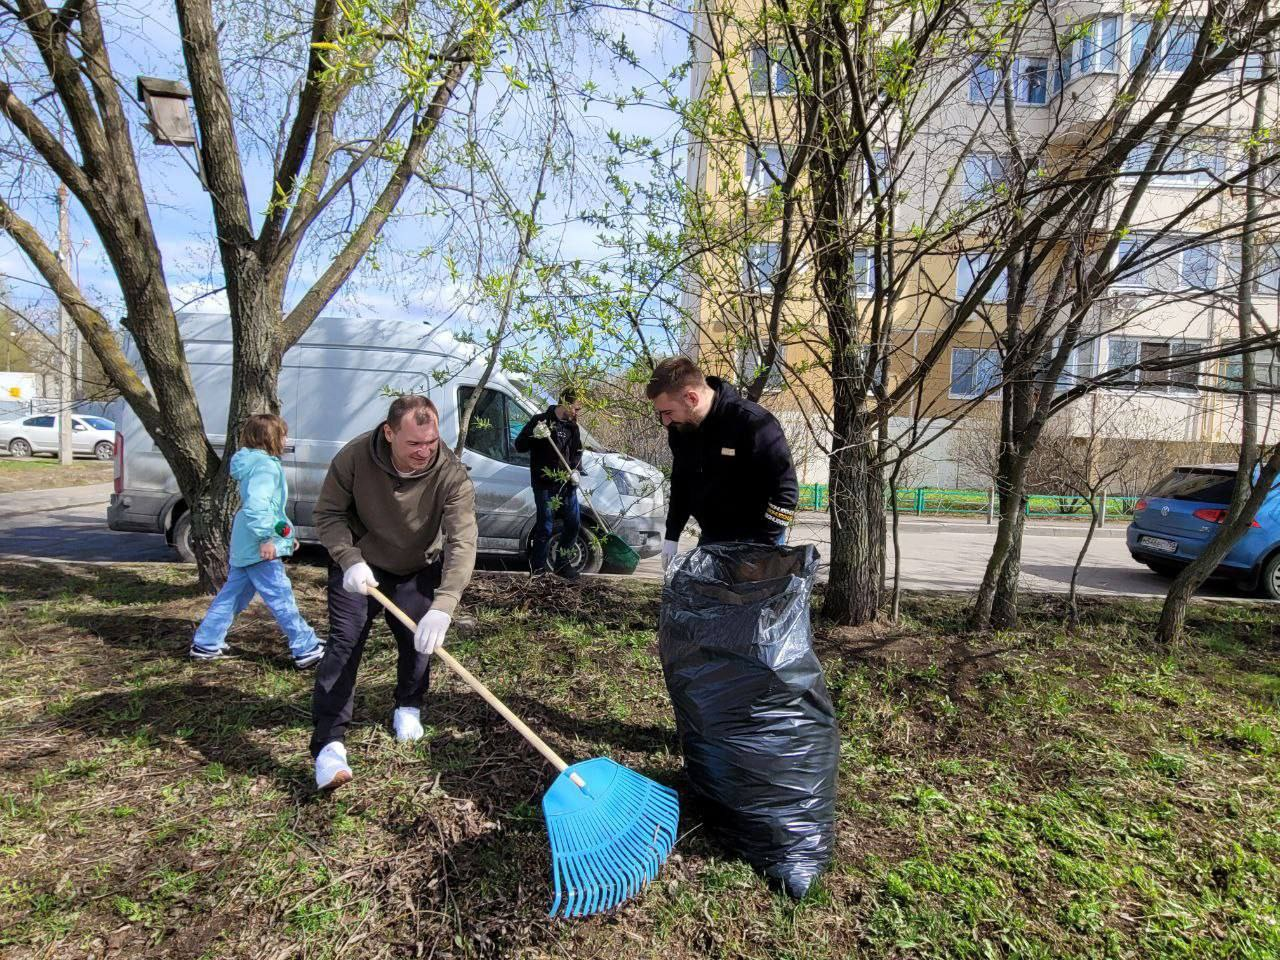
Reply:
x=618, y=554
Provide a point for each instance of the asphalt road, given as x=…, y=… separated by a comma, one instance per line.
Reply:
x=935, y=556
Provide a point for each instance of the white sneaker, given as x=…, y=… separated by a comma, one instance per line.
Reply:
x=407, y=722
x=331, y=767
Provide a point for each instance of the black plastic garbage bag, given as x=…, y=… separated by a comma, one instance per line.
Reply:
x=761, y=747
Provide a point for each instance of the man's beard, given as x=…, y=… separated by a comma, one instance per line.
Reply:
x=685, y=427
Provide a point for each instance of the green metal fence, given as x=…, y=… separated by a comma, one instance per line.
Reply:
x=927, y=501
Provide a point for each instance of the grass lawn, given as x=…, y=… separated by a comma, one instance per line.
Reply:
x=1023, y=794
x=36, y=473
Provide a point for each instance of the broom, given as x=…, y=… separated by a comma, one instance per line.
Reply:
x=610, y=828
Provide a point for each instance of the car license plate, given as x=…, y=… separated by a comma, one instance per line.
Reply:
x=1158, y=543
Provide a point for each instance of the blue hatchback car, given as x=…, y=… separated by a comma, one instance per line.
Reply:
x=1172, y=524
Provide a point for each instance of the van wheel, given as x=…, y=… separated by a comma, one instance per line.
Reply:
x=182, y=538
x=19, y=448
x=1269, y=581
x=585, y=556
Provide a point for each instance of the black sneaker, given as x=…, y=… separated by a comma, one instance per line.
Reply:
x=204, y=653
x=304, y=661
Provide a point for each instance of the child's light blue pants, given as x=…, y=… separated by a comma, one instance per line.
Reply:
x=269, y=581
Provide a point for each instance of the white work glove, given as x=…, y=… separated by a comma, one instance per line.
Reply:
x=669, y=548
x=574, y=477
x=358, y=578
x=542, y=431
x=431, y=631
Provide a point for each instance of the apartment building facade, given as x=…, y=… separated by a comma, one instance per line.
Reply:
x=1175, y=225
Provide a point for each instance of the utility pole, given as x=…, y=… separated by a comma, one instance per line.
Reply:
x=66, y=350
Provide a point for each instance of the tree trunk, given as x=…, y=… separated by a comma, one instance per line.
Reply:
x=1004, y=606
x=1073, y=608
x=1005, y=559
x=857, y=532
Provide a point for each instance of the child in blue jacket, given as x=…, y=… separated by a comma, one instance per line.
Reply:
x=260, y=538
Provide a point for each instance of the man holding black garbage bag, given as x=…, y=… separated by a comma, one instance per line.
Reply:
x=757, y=728
x=731, y=466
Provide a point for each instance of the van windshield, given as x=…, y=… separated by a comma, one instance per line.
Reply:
x=1203, y=485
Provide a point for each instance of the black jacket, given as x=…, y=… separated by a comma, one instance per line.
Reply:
x=733, y=473
x=545, y=468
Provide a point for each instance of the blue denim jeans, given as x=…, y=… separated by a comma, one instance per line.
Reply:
x=569, y=513
x=269, y=581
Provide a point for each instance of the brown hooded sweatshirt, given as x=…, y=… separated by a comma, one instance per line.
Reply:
x=367, y=511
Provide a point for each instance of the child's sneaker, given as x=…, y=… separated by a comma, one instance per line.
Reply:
x=331, y=767
x=407, y=722
x=204, y=653
x=304, y=661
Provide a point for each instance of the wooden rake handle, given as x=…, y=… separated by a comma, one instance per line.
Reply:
x=471, y=681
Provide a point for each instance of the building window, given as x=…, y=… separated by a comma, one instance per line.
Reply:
x=1033, y=80
x=760, y=266
x=1096, y=51
x=766, y=167
x=1200, y=266
x=864, y=273
x=1176, y=46
x=880, y=162
x=974, y=373
x=1266, y=369
x=750, y=366
x=984, y=81
x=772, y=71
x=970, y=268
x=1188, y=164
x=1133, y=275
x=1030, y=80
x=982, y=173
x=1128, y=351
x=1143, y=263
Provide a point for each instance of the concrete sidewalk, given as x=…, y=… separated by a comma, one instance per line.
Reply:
x=20, y=502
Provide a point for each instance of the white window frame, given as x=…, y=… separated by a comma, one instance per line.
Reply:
x=749, y=360
x=976, y=94
x=1173, y=345
x=973, y=264
x=1213, y=251
x=757, y=168
x=990, y=355
x=781, y=79
x=992, y=167
x=1173, y=31
x=1103, y=58
x=1266, y=367
x=1184, y=156
x=1019, y=75
x=864, y=274
x=750, y=268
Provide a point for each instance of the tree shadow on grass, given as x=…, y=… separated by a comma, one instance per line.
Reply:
x=116, y=583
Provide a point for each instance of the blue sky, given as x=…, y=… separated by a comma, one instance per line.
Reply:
x=181, y=213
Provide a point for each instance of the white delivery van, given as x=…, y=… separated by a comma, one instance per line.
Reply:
x=337, y=382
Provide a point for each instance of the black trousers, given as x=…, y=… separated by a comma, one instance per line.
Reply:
x=351, y=617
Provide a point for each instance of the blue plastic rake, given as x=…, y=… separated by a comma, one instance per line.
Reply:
x=610, y=828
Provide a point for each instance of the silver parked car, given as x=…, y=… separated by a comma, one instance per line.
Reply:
x=90, y=436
